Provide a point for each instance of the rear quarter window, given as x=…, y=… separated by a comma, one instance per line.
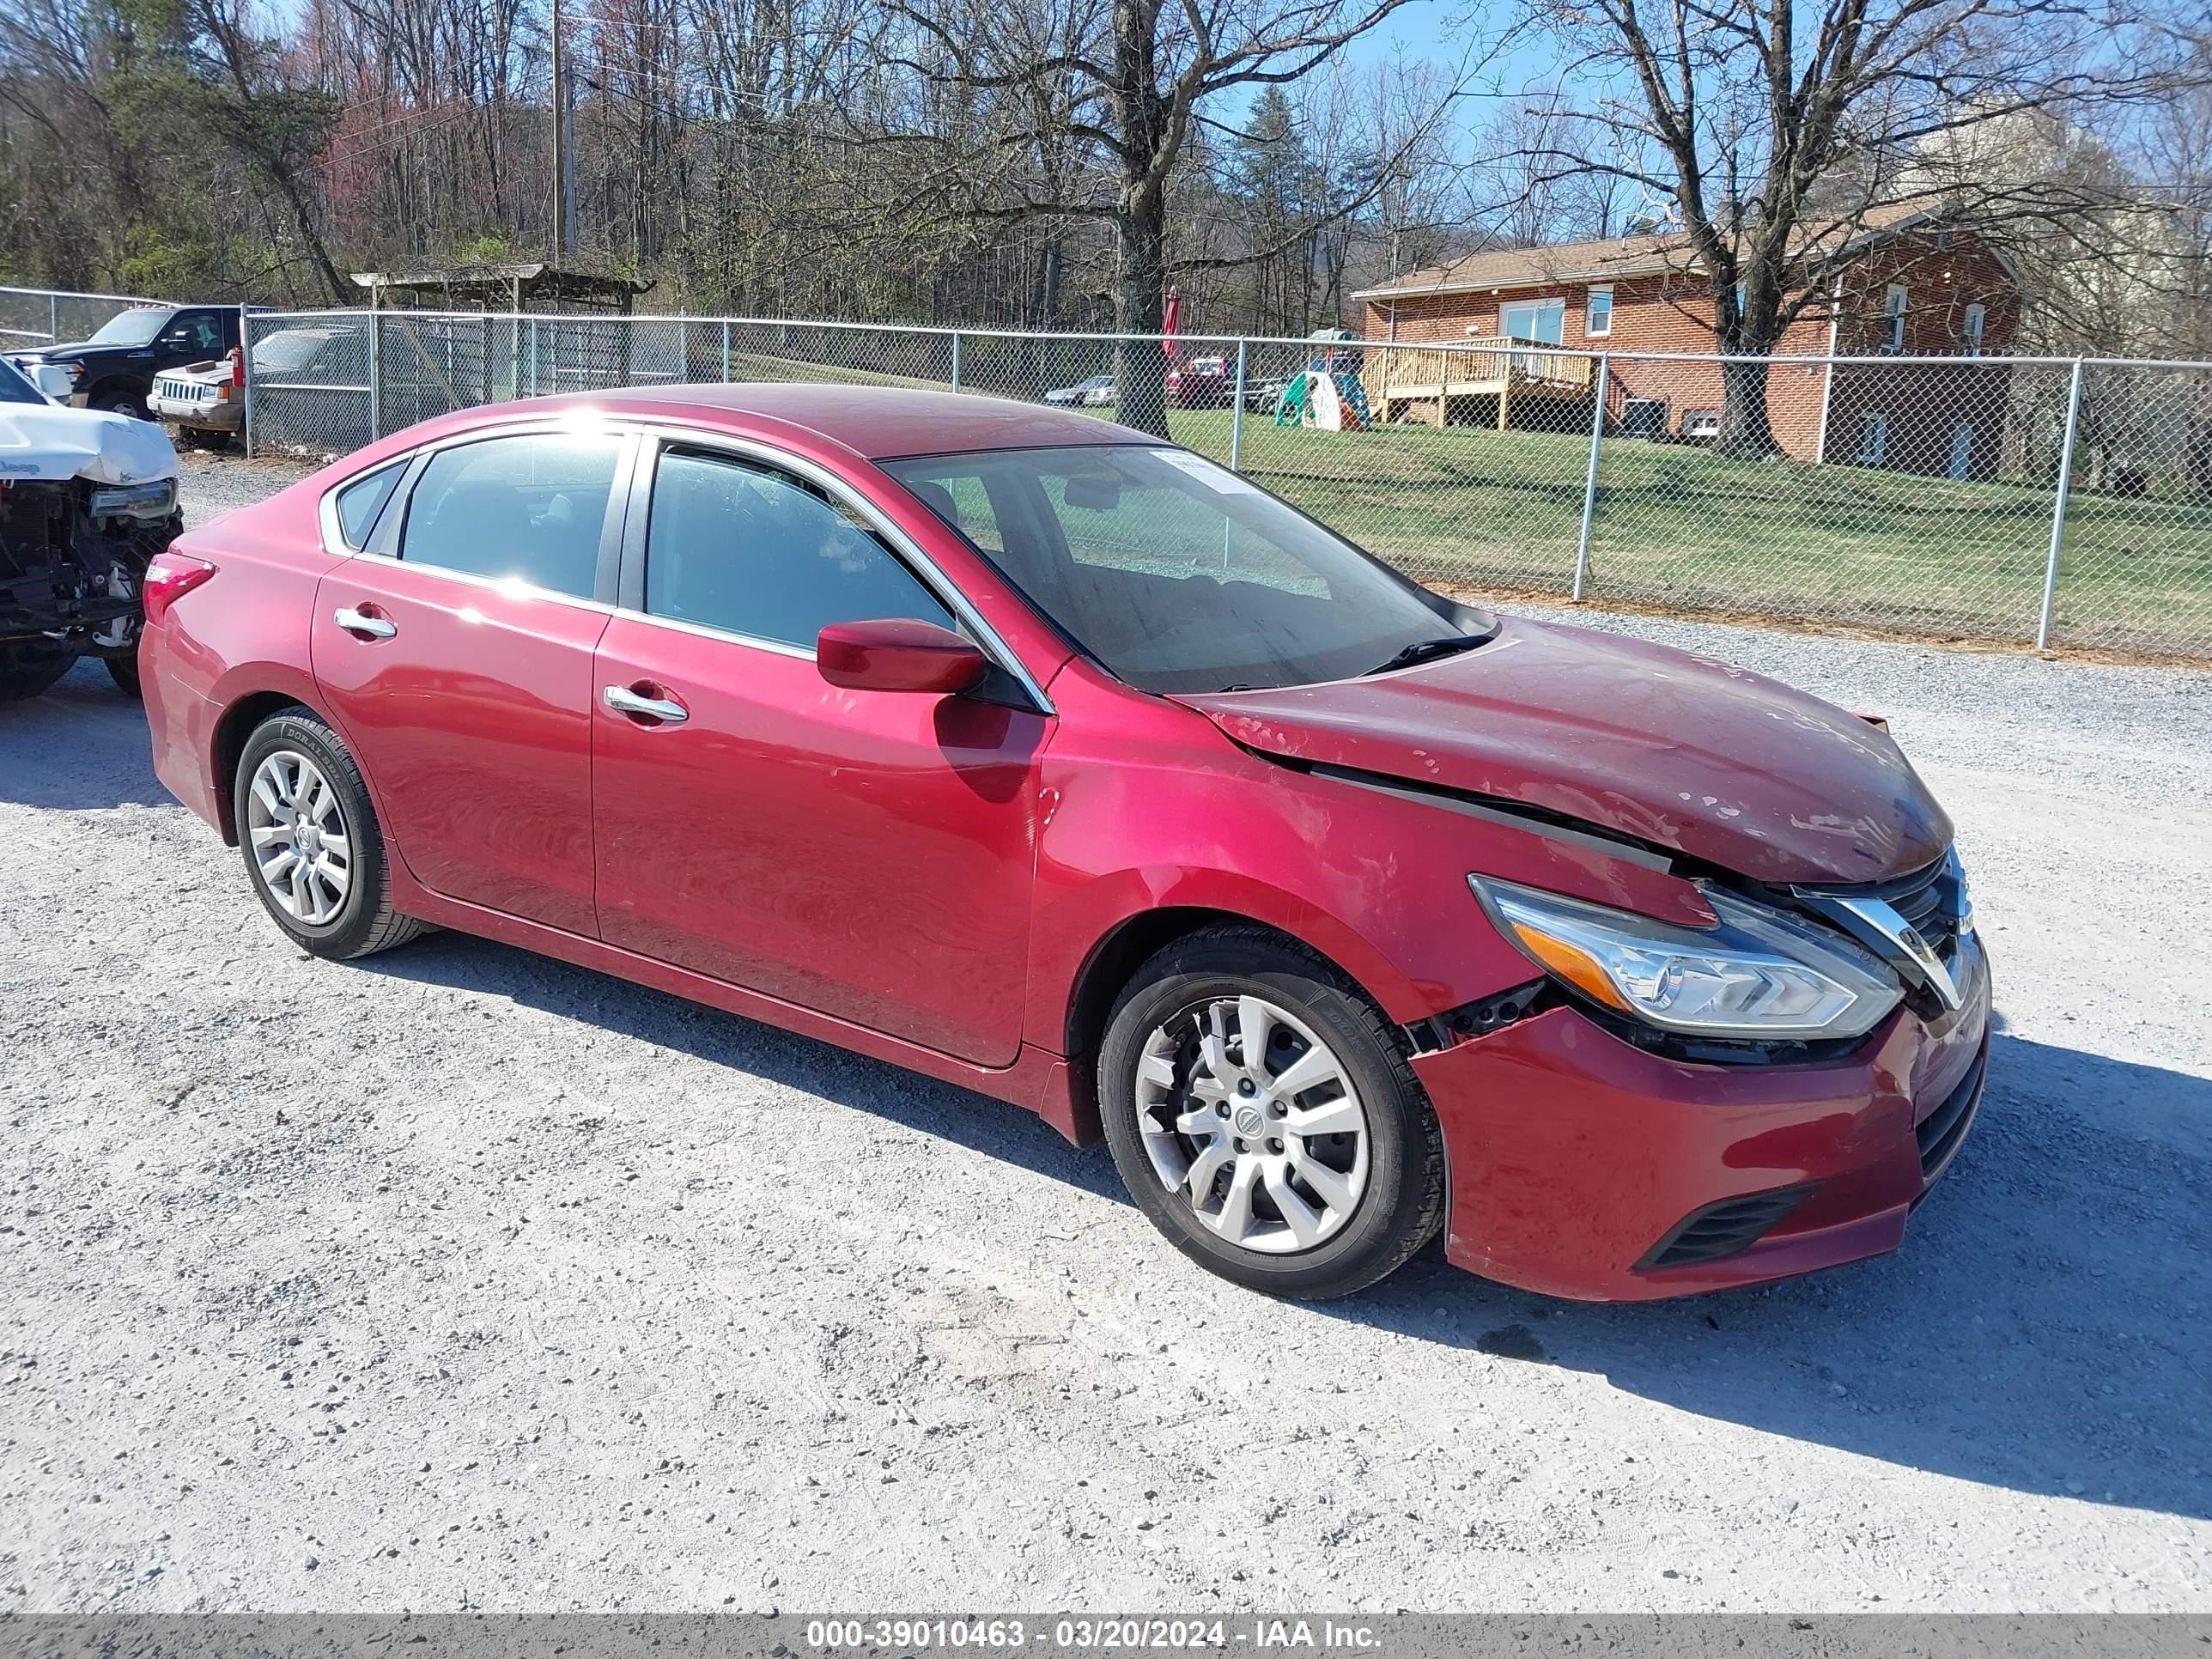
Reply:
x=360, y=502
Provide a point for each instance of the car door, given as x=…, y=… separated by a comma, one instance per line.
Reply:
x=864, y=855
x=455, y=651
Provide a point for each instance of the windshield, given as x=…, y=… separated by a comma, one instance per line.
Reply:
x=1175, y=574
x=15, y=388
x=289, y=350
x=132, y=328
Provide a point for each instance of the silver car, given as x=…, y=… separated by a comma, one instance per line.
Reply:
x=1095, y=392
x=206, y=401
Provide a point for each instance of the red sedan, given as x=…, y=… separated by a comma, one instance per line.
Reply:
x=1035, y=754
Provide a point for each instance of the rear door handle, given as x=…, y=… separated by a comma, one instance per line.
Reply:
x=365, y=625
x=623, y=701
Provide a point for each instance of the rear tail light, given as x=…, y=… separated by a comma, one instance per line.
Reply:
x=168, y=578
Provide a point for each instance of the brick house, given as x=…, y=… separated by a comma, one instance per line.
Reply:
x=1927, y=287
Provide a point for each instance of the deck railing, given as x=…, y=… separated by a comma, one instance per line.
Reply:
x=1477, y=367
x=1421, y=380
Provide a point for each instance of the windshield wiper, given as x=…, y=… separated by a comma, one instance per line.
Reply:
x=1426, y=651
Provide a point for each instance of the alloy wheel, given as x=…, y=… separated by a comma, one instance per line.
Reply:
x=1255, y=1122
x=301, y=845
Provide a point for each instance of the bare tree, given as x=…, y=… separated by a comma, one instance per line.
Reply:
x=1131, y=89
x=1023, y=161
x=1783, y=136
x=1418, y=174
x=1517, y=189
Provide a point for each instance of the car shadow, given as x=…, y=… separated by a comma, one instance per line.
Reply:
x=81, y=745
x=2044, y=1326
x=960, y=1115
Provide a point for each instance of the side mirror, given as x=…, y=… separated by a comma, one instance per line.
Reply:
x=897, y=654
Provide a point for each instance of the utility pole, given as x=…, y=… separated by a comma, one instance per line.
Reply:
x=563, y=208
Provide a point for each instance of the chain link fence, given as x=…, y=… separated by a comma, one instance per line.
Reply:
x=2001, y=499
x=32, y=317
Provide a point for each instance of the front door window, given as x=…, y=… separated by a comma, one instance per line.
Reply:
x=753, y=552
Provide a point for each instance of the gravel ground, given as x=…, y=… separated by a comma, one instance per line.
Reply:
x=460, y=1279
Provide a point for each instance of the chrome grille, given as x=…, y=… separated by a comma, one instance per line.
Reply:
x=1929, y=899
x=1930, y=902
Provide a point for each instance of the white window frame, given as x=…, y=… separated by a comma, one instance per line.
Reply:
x=1951, y=468
x=1589, y=299
x=1553, y=305
x=1894, y=299
x=1977, y=319
x=1874, y=436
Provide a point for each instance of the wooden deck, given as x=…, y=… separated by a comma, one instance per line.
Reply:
x=1420, y=382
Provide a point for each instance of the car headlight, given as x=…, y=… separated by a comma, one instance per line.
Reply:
x=1760, y=973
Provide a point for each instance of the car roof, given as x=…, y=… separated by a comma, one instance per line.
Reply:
x=877, y=422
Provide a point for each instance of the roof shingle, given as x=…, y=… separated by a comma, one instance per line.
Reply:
x=1611, y=256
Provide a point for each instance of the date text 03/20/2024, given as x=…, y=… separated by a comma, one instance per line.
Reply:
x=1090, y=1634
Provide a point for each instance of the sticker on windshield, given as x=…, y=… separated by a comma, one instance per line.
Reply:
x=1218, y=479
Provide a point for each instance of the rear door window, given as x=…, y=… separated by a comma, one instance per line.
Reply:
x=527, y=509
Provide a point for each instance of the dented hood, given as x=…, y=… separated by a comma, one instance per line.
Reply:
x=1687, y=752
x=57, y=444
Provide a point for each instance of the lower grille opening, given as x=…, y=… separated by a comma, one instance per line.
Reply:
x=1940, y=1133
x=1723, y=1229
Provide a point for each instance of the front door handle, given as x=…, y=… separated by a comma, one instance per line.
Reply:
x=364, y=623
x=623, y=701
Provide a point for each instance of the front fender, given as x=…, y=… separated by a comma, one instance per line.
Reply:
x=1146, y=810
x=1076, y=924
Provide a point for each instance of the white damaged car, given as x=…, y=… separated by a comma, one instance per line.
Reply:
x=87, y=498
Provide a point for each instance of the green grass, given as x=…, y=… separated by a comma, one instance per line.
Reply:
x=1677, y=526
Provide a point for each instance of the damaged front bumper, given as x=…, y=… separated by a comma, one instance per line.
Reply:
x=72, y=555
x=1584, y=1167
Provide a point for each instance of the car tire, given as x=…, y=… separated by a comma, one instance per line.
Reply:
x=123, y=403
x=28, y=668
x=330, y=905
x=1328, y=1209
x=208, y=438
x=124, y=670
